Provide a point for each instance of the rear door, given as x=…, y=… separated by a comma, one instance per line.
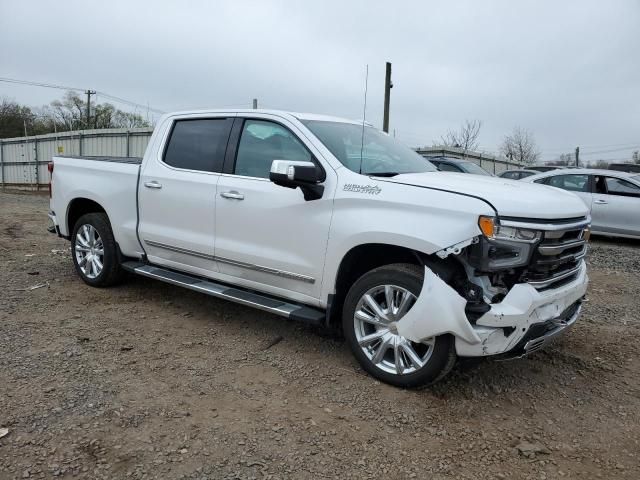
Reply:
x=616, y=206
x=177, y=194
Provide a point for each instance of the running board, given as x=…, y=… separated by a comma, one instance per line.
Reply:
x=260, y=301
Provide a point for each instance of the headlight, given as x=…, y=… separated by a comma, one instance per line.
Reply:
x=494, y=231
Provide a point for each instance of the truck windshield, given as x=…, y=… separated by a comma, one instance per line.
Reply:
x=378, y=154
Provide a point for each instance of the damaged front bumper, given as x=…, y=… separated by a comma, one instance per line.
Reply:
x=523, y=322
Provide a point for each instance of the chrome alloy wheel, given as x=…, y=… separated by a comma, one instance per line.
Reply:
x=89, y=251
x=375, y=320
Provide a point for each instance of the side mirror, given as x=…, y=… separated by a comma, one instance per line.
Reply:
x=294, y=174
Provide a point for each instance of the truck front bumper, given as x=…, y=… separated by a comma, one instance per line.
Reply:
x=524, y=321
x=527, y=319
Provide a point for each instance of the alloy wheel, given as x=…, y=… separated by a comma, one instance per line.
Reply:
x=89, y=251
x=375, y=321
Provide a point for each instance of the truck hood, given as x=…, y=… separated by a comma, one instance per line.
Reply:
x=511, y=198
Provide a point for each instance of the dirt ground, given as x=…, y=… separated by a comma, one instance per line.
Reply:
x=147, y=380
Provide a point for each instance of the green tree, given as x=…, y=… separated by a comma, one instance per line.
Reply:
x=68, y=113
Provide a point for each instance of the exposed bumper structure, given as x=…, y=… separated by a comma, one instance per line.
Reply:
x=524, y=321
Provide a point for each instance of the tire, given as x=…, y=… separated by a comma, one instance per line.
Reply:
x=422, y=364
x=91, y=232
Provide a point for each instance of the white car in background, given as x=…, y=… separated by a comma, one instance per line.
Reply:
x=613, y=197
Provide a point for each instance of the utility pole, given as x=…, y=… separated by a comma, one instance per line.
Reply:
x=89, y=93
x=388, y=85
x=255, y=103
x=577, y=156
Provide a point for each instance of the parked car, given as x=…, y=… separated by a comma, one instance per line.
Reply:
x=517, y=174
x=612, y=197
x=625, y=167
x=457, y=165
x=325, y=221
x=548, y=168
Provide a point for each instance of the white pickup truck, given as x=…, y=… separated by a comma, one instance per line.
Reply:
x=332, y=222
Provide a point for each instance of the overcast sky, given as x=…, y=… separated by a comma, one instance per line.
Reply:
x=568, y=71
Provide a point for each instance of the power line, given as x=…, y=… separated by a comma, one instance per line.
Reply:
x=62, y=87
x=130, y=103
x=38, y=84
x=611, y=150
x=589, y=147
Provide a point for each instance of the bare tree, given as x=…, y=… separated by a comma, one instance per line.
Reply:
x=466, y=137
x=70, y=112
x=520, y=146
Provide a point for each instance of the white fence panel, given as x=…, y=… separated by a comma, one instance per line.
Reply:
x=23, y=161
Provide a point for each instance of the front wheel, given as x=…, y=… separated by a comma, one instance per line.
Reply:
x=372, y=308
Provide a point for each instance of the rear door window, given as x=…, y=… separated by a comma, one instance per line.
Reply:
x=617, y=186
x=574, y=183
x=198, y=144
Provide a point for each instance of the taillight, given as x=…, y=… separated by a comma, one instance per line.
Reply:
x=50, y=168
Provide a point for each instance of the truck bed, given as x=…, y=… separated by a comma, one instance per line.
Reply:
x=111, y=182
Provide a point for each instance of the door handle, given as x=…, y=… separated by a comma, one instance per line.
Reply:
x=152, y=184
x=600, y=202
x=232, y=195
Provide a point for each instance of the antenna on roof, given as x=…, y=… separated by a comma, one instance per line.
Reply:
x=364, y=116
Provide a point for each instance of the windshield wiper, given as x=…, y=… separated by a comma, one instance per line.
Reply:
x=382, y=174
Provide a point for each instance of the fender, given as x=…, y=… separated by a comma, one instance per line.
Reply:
x=80, y=196
x=439, y=309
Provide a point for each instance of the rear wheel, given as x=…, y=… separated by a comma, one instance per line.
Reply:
x=94, y=251
x=372, y=308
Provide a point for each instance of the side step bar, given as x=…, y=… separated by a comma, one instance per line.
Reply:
x=245, y=297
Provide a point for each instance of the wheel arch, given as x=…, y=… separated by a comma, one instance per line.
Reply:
x=365, y=257
x=81, y=206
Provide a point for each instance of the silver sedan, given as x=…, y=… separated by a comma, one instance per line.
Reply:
x=613, y=197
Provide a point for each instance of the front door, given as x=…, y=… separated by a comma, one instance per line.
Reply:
x=268, y=236
x=177, y=195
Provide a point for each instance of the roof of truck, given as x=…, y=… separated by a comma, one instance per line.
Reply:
x=284, y=113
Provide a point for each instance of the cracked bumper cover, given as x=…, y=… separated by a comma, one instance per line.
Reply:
x=440, y=309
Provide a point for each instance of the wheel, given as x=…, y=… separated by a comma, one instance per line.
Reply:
x=373, y=305
x=94, y=251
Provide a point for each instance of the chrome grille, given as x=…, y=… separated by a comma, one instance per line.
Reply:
x=557, y=258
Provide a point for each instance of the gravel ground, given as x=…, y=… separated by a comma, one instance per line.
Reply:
x=146, y=380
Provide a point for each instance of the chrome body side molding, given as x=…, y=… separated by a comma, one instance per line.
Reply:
x=250, y=266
